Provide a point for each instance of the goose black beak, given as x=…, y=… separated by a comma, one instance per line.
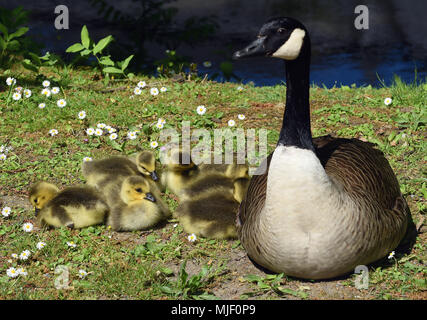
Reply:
x=154, y=176
x=150, y=197
x=255, y=49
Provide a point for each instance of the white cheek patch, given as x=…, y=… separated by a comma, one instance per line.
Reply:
x=290, y=49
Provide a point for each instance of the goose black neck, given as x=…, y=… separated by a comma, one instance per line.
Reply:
x=296, y=130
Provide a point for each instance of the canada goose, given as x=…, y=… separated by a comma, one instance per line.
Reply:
x=135, y=207
x=325, y=205
x=73, y=207
x=208, y=207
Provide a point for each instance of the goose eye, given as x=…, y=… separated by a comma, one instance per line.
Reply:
x=280, y=30
x=139, y=190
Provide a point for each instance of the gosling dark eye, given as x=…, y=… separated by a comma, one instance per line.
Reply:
x=280, y=30
x=139, y=190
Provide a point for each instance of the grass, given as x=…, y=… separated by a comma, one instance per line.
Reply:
x=162, y=263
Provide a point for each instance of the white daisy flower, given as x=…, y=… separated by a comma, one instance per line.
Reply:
x=90, y=131
x=16, y=96
x=27, y=227
x=46, y=83
x=98, y=132
x=113, y=136
x=161, y=120
x=61, y=103
x=6, y=211
x=42, y=105
x=86, y=159
x=207, y=64
x=2, y=148
x=159, y=125
x=388, y=101
x=12, y=273
x=241, y=117
x=82, y=115
x=14, y=255
x=141, y=84
x=111, y=130
x=82, y=274
x=231, y=123
x=137, y=91
x=24, y=255
x=153, y=144
x=201, y=110
x=46, y=92
x=132, y=135
x=71, y=244
x=10, y=81
x=40, y=245
x=55, y=90
x=101, y=125
x=53, y=132
x=391, y=255
x=154, y=91
x=192, y=237
x=107, y=128
x=3, y=156
x=18, y=89
x=22, y=272
x=239, y=88
x=163, y=89
x=27, y=93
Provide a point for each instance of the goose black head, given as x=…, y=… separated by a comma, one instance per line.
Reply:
x=282, y=38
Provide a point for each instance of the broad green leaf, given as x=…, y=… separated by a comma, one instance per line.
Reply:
x=3, y=29
x=85, y=52
x=28, y=65
x=14, y=45
x=3, y=44
x=102, y=44
x=18, y=33
x=35, y=58
x=85, y=37
x=75, y=48
x=111, y=70
x=125, y=62
x=106, y=61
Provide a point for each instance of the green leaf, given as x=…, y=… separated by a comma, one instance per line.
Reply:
x=35, y=59
x=20, y=32
x=111, y=70
x=106, y=61
x=85, y=52
x=75, y=48
x=3, y=29
x=3, y=44
x=14, y=45
x=102, y=44
x=26, y=63
x=85, y=37
x=116, y=146
x=125, y=62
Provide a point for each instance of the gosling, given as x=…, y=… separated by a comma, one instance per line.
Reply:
x=73, y=207
x=136, y=208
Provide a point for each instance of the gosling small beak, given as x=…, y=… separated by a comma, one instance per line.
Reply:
x=256, y=48
x=154, y=176
x=150, y=197
x=36, y=210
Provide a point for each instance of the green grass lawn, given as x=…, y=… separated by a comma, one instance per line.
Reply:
x=162, y=263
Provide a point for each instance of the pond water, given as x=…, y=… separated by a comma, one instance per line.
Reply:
x=395, y=42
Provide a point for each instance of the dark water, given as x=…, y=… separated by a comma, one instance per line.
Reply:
x=395, y=43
